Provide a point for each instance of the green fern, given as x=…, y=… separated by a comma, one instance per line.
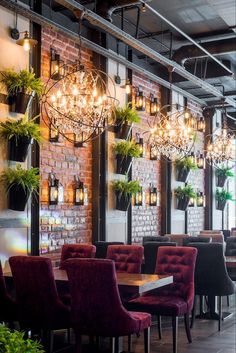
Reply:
x=127, y=114
x=127, y=148
x=128, y=188
x=17, y=128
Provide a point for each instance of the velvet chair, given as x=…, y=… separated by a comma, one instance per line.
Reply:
x=40, y=307
x=8, y=308
x=177, y=238
x=188, y=240
x=150, y=255
x=211, y=277
x=101, y=248
x=127, y=258
x=216, y=237
x=176, y=299
x=96, y=308
x=71, y=251
x=230, y=246
x=158, y=239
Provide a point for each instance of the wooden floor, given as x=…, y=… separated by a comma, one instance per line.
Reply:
x=205, y=335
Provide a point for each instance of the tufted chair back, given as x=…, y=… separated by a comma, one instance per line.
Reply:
x=180, y=263
x=36, y=293
x=189, y=240
x=177, y=238
x=71, y=251
x=159, y=239
x=101, y=248
x=230, y=246
x=96, y=307
x=150, y=254
x=127, y=258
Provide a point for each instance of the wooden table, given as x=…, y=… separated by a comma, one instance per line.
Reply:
x=230, y=261
x=140, y=282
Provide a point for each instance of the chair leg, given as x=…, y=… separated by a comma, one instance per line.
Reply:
x=159, y=326
x=47, y=338
x=68, y=336
x=147, y=340
x=193, y=313
x=129, y=343
x=220, y=313
x=115, y=344
x=78, y=343
x=175, y=332
x=228, y=301
x=187, y=327
x=201, y=304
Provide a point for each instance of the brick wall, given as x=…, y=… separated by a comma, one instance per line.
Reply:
x=63, y=223
x=145, y=219
x=195, y=215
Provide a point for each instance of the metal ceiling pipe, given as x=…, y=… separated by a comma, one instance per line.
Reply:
x=105, y=8
x=45, y=22
x=141, y=47
x=186, y=36
x=218, y=47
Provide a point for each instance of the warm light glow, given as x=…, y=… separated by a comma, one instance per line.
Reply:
x=26, y=44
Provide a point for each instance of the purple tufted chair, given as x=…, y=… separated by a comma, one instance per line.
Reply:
x=8, y=309
x=71, y=251
x=127, y=258
x=39, y=305
x=176, y=299
x=96, y=308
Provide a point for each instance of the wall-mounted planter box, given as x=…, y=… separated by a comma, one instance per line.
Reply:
x=221, y=180
x=220, y=205
x=123, y=164
x=182, y=174
x=18, y=148
x=122, y=201
x=20, y=102
x=17, y=198
x=182, y=203
x=123, y=131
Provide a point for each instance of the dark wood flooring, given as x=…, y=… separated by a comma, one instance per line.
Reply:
x=205, y=335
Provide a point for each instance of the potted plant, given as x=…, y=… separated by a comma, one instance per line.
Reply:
x=222, y=196
x=125, y=117
x=183, y=167
x=21, y=86
x=14, y=342
x=19, y=134
x=183, y=195
x=124, y=190
x=222, y=174
x=20, y=184
x=125, y=151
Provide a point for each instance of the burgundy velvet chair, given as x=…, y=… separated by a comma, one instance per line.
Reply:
x=8, y=308
x=39, y=305
x=71, y=251
x=176, y=299
x=127, y=258
x=96, y=308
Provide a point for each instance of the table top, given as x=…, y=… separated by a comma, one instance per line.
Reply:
x=140, y=282
x=230, y=261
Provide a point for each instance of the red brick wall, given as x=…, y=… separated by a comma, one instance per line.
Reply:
x=146, y=219
x=63, y=223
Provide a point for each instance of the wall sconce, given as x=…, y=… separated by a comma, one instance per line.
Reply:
x=201, y=125
x=152, y=196
x=190, y=119
x=192, y=157
x=138, y=198
x=26, y=42
x=53, y=133
x=140, y=101
x=78, y=140
x=141, y=144
x=127, y=86
x=191, y=202
x=201, y=199
x=153, y=153
x=200, y=160
x=154, y=106
x=57, y=69
x=80, y=193
x=56, y=190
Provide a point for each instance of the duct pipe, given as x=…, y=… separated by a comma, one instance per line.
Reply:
x=141, y=47
x=105, y=8
x=218, y=47
x=45, y=22
x=186, y=36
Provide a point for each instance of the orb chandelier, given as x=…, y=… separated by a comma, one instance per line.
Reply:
x=221, y=148
x=172, y=134
x=80, y=105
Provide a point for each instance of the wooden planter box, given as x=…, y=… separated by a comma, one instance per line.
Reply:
x=123, y=164
x=18, y=148
x=17, y=198
x=182, y=203
x=123, y=131
x=182, y=174
x=220, y=205
x=122, y=202
x=220, y=181
x=19, y=102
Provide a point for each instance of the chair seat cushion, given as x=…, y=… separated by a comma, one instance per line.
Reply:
x=162, y=305
x=8, y=309
x=144, y=320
